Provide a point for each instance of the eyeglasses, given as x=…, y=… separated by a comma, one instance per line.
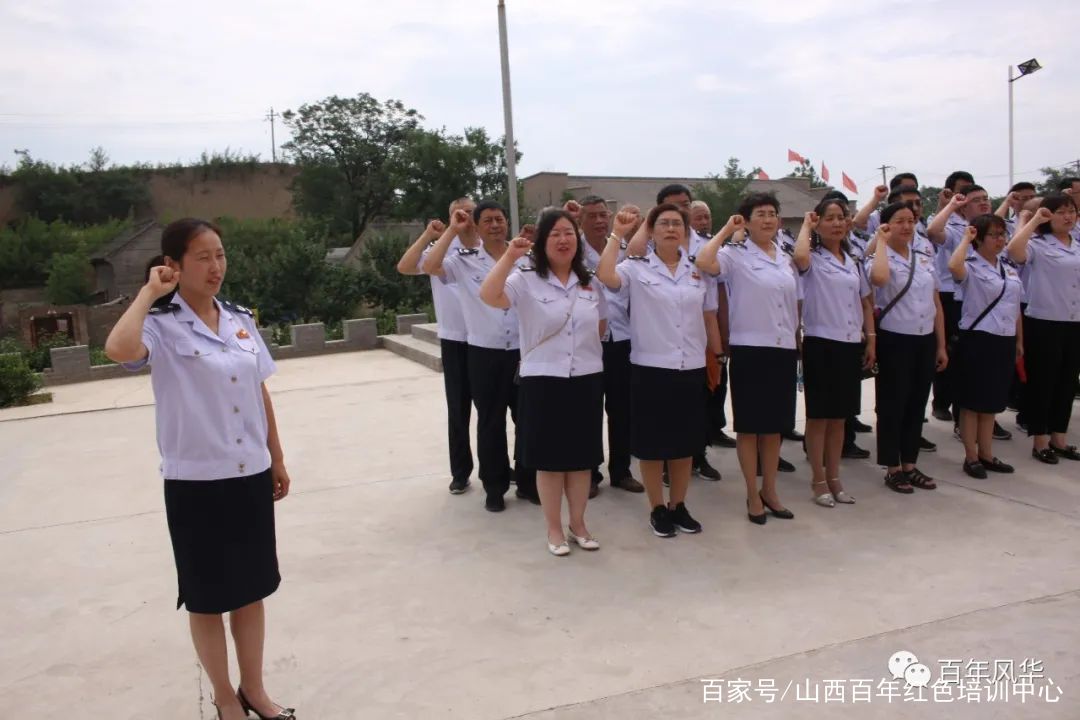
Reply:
x=669, y=224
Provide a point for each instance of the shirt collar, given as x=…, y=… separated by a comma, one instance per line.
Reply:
x=186, y=314
x=681, y=269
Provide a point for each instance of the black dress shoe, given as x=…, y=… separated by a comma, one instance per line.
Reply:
x=784, y=514
x=1001, y=433
x=523, y=495
x=793, y=435
x=722, y=439
x=756, y=519
x=854, y=452
x=1068, y=452
x=705, y=470
x=975, y=470
x=860, y=427
x=458, y=487
x=942, y=414
x=995, y=465
x=926, y=446
x=1046, y=456
x=784, y=466
x=495, y=503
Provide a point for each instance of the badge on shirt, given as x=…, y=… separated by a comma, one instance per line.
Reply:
x=242, y=334
x=587, y=288
x=695, y=275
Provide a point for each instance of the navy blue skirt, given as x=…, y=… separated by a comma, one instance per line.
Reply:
x=224, y=541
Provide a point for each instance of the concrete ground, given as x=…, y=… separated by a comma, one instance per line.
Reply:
x=402, y=601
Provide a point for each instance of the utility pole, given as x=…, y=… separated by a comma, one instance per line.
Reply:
x=883, y=168
x=273, y=143
x=508, y=120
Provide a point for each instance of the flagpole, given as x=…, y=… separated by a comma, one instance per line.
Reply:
x=508, y=122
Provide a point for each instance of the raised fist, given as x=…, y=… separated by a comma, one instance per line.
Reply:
x=736, y=222
x=881, y=192
x=162, y=280
x=811, y=219
x=461, y=219
x=436, y=227
x=1043, y=215
x=970, y=233
x=958, y=200
x=519, y=248
x=574, y=208
x=528, y=231
x=625, y=221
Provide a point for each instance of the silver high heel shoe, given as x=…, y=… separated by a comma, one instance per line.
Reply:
x=840, y=496
x=825, y=499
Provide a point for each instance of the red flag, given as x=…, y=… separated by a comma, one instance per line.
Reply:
x=793, y=156
x=761, y=175
x=849, y=183
x=824, y=172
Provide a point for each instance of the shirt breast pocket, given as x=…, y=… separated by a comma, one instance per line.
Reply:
x=191, y=350
x=248, y=345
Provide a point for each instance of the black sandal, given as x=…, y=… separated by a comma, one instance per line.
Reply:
x=923, y=482
x=1046, y=455
x=285, y=714
x=1068, y=452
x=898, y=482
x=995, y=465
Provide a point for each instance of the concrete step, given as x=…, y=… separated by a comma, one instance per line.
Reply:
x=414, y=349
x=428, y=332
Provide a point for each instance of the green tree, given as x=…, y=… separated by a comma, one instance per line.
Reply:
x=358, y=143
x=83, y=196
x=806, y=170
x=17, y=379
x=27, y=248
x=380, y=282
x=69, y=278
x=1053, y=176
x=723, y=193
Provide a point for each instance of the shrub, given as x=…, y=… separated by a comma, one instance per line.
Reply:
x=17, y=380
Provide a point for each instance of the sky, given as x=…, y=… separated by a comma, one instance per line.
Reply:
x=667, y=88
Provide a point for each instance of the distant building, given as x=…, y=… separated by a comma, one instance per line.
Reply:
x=120, y=266
x=552, y=188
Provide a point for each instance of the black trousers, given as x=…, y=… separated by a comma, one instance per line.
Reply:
x=905, y=373
x=617, y=406
x=1052, y=360
x=944, y=383
x=455, y=363
x=491, y=377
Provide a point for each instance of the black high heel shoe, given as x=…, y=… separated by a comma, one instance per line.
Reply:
x=286, y=714
x=783, y=514
x=756, y=519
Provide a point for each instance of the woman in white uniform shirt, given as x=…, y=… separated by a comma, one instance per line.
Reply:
x=668, y=305
x=990, y=338
x=910, y=345
x=221, y=457
x=1051, y=255
x=763, y=312
x=561, y=316
x=837, y=315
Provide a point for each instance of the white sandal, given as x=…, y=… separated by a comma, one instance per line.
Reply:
x=825, y=499
x=585, y=543
x=843, y=497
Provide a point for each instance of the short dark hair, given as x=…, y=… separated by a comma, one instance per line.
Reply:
x=1024, y=185
x=835, y=195
x=984, y=224
x=976, y=188
x=591, y=200
x=178, y=234
x=656, y=212
x=756, y=200
x=957, y=176
x=672, y=189
x=1066, y=183
x=899, y=192
x=539, y=256
x=486, y=205
x=892, y=208
x=901, y=177
x=1054, y=202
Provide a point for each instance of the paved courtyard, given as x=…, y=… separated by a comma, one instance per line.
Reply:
x=402, y=601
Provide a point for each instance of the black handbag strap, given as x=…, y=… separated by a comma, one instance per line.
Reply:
x=991, y=306
x=907, y=286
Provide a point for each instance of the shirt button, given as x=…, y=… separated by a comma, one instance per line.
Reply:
x=235, y=409
x=224, y=349
x=241, y=466
x=233, y=378
x=238, y=441
x=196, y=352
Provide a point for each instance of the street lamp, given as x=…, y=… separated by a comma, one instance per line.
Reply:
x=1025, y=68
x=508, y=121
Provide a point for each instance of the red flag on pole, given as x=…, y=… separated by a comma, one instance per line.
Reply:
x=849, y=183
x=824, y=172
x=761, y=175
x=793, y=156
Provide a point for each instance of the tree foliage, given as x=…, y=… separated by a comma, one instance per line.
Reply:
x=357, y=143
x=27, y=248
x=69, y=281
x=723, y=193
x=806, y=170
x=80, y=195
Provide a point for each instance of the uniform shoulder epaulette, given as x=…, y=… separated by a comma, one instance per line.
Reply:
x=635, y=257
x=923, y=252
x=736, y=243
x=468, y=251
x=1009, y=261
x=164, y=309
x=788, y=248
x=233, y=307
x=862, y=235
x=970, y=259
x=527, y=269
